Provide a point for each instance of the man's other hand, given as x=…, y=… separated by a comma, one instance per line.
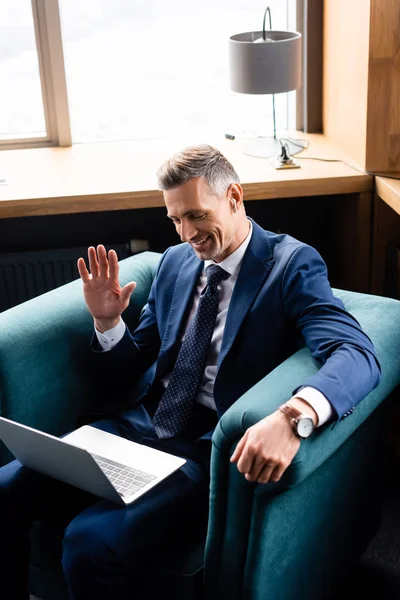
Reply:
x=267, y=448
x=105, y=298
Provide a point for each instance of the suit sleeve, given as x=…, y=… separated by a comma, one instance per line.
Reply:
x=350, y=369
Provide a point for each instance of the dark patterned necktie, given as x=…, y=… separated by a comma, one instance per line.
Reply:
x=178, y=400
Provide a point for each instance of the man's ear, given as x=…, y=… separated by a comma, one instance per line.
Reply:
x=235, y=196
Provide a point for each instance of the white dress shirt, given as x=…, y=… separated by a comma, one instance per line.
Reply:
x=231, y=264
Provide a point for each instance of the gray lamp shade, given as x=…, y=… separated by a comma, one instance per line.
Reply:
x=265, y=67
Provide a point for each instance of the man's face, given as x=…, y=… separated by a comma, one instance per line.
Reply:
x=203, y=219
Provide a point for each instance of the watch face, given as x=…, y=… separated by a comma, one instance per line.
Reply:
x=305, y=427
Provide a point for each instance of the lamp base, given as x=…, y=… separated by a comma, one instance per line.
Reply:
x=269, y=147
x=280, y=164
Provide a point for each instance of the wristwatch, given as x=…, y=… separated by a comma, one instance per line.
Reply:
x=303, y=426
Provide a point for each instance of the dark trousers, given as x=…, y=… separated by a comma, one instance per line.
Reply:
x=109, y=551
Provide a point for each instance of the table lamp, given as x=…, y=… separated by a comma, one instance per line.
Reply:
x=266, y=62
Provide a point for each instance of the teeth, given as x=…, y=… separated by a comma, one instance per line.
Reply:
x=200, y=242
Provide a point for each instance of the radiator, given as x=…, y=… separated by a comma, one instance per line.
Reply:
x=24, y=275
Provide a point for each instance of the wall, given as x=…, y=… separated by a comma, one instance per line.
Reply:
x=338, y=226
x=361, y=82
x=385, y=278
x=383, y=125
x=345, y=74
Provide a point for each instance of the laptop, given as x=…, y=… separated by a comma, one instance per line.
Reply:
x=90, y=459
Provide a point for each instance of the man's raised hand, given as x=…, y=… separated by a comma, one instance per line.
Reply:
x=105, y=298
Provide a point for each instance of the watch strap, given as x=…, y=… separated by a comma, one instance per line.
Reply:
x=291, y=411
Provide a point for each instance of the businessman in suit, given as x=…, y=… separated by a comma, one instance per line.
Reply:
x=226, y=307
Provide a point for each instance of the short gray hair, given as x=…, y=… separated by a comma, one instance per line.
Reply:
x=198, y=161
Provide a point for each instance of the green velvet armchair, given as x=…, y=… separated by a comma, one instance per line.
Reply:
x=284, y=541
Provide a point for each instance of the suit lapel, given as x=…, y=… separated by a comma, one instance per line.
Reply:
x=184, y=288
x=256, y=266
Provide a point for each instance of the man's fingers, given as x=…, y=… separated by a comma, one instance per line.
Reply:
x=277, y=473
x=83, y=272
x=238, y=450
x=126, y=292
x=265, y=474
x=113, y=265
x=103, y=262
x=93, y=263
x=245, y=462
x=257, y=466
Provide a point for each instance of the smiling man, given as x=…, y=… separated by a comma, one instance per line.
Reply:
x=227, y=305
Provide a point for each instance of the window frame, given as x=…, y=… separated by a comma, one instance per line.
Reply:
x=309, y=19
x=47, y=27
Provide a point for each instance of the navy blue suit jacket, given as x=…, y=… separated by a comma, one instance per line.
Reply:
x=282, y=300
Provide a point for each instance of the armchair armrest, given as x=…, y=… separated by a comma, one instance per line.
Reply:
x=380, y=319
x=233, y=500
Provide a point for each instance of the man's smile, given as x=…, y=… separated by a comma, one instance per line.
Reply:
x=199, y=243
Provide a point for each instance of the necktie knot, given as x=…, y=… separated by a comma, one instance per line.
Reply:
x=215, y=275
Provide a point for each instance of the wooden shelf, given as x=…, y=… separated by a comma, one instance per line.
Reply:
x=121, y=176
x=388, y=190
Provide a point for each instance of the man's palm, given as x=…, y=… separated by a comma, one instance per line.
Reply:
x=105, y=298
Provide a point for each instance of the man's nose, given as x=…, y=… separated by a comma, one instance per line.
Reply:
x=188, y=231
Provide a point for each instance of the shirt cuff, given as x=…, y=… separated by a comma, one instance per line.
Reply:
x=111, y=337
x=318, y=401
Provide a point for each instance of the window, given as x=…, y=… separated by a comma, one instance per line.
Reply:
x=151, y=69
x=21, y=103
x=108, y=70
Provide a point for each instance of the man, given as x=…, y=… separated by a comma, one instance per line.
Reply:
x=226, y=307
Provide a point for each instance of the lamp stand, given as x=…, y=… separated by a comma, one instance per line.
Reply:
x=271, y=147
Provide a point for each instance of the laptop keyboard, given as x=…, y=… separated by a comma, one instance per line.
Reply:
x=126, y=480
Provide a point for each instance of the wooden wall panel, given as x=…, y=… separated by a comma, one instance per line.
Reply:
x=345, y=76
x=362, y=81
x=386, y=235
x=383, y=109
x=352, y=240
